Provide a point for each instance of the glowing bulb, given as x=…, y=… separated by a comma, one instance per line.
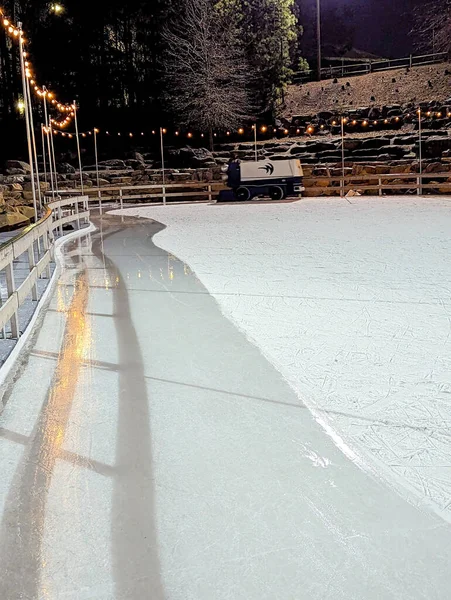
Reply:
x=176, y=133
x=428, y=113
x=298, y=131
x=83, y=134
x=15, y=32
x=334, y=122
x=228, y=133
x=165, y=130
x=386, y=121
x=354, y=122
x=201, y=135
x=96, y=130
x=21, y=106
x=365, y=122
x=439, y=114
x=285, y=131
x=119, y=133
x=142, y=132
x=397, y=119
x=264, y=129
x=10, y=29
x=190, y=135
x=375, y=122
x=241, y=131
x=130, y=134
x=309, y=129
x=70, y=135
x=5, y=22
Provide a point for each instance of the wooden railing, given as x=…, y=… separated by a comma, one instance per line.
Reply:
x=369, y=66
x=388, y=182
x=37, y=243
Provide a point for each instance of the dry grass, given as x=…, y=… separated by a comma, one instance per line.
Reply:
x=412, y=86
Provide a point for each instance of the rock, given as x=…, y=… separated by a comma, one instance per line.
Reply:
x=14, y=179
x=118, y=164
x=17, y=164
x=65, y=168
x=14, y=187
x=121, y=180
x=26, y=211
x=434, y=167
x=135, y=164
x=375, y=142
x=92, y=168
x=394, y=151
x=319, y=146
x=12, y=220
x=197, y=157
x=28, y=187
x=434, y=146
x=15, y=171
x=139, y=157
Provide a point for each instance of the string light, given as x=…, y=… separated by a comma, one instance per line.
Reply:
x=241, y=131
x=16, y=33
x=190, y=135
x=263, y=129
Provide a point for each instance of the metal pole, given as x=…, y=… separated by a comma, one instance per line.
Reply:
x=33, y=140
x=255, y=142
x=78, y=147
x=162, y=164
x=97, y=158
x=27, y=120
x=318, y=35
x=43, y=152
x=420, y=188
x=52, y=145
x=343, y=154
x=48, y=130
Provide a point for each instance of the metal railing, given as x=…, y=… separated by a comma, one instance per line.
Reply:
x=36, y=242
x=363, y=68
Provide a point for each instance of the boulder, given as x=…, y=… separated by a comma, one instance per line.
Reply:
x=116, y=163
x=374, y=142
x=14, y=179
x=135, y=164
x=17, y=164
x=65, y=168
x=26, y=211
x=197, y=157
x=434, y=146
x=319, y=146
x=394, y=151
x=14, y=187
x=14, y=171
x=12, y=220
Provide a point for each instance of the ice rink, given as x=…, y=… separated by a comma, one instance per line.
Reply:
x=249, y=404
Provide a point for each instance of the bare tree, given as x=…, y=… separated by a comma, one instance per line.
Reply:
x=207, y=74
x=432, y=26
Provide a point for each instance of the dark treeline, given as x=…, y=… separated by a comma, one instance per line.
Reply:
x=113, y=57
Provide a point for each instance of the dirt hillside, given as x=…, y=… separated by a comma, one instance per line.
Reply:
x=400, y=86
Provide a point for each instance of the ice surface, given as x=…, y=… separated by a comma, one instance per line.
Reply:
x=351, y=302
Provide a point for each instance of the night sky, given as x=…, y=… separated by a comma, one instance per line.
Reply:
x=380, y=26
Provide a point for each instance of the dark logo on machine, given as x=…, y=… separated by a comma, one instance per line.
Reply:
x=269, y=168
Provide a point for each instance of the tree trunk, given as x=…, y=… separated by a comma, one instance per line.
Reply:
x=212, y=144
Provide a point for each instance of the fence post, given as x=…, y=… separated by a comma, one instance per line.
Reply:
x=410, y=61
x=31, y=265
x=45, y=243
x=121, y=198
x=380, y=186
x=11, y=289
x=210, y=197
x=77, y=213
x=60, y=214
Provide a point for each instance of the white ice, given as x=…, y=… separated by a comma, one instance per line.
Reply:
x=351, y=302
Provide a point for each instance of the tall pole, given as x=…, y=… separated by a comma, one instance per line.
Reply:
x=162, y=164
x=78, y=147
x=52, y=146
x=343, y=154
x=33, y=140
x=48, y=130
x=255, y=142
x=43, y=152
x=420, y=154
x=318, y=35
x=96, y=156
x=27, y=120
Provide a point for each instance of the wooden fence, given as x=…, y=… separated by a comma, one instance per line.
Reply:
x=363, y=68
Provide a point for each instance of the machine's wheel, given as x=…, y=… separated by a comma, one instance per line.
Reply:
x=276, y=193
x=243, y=193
